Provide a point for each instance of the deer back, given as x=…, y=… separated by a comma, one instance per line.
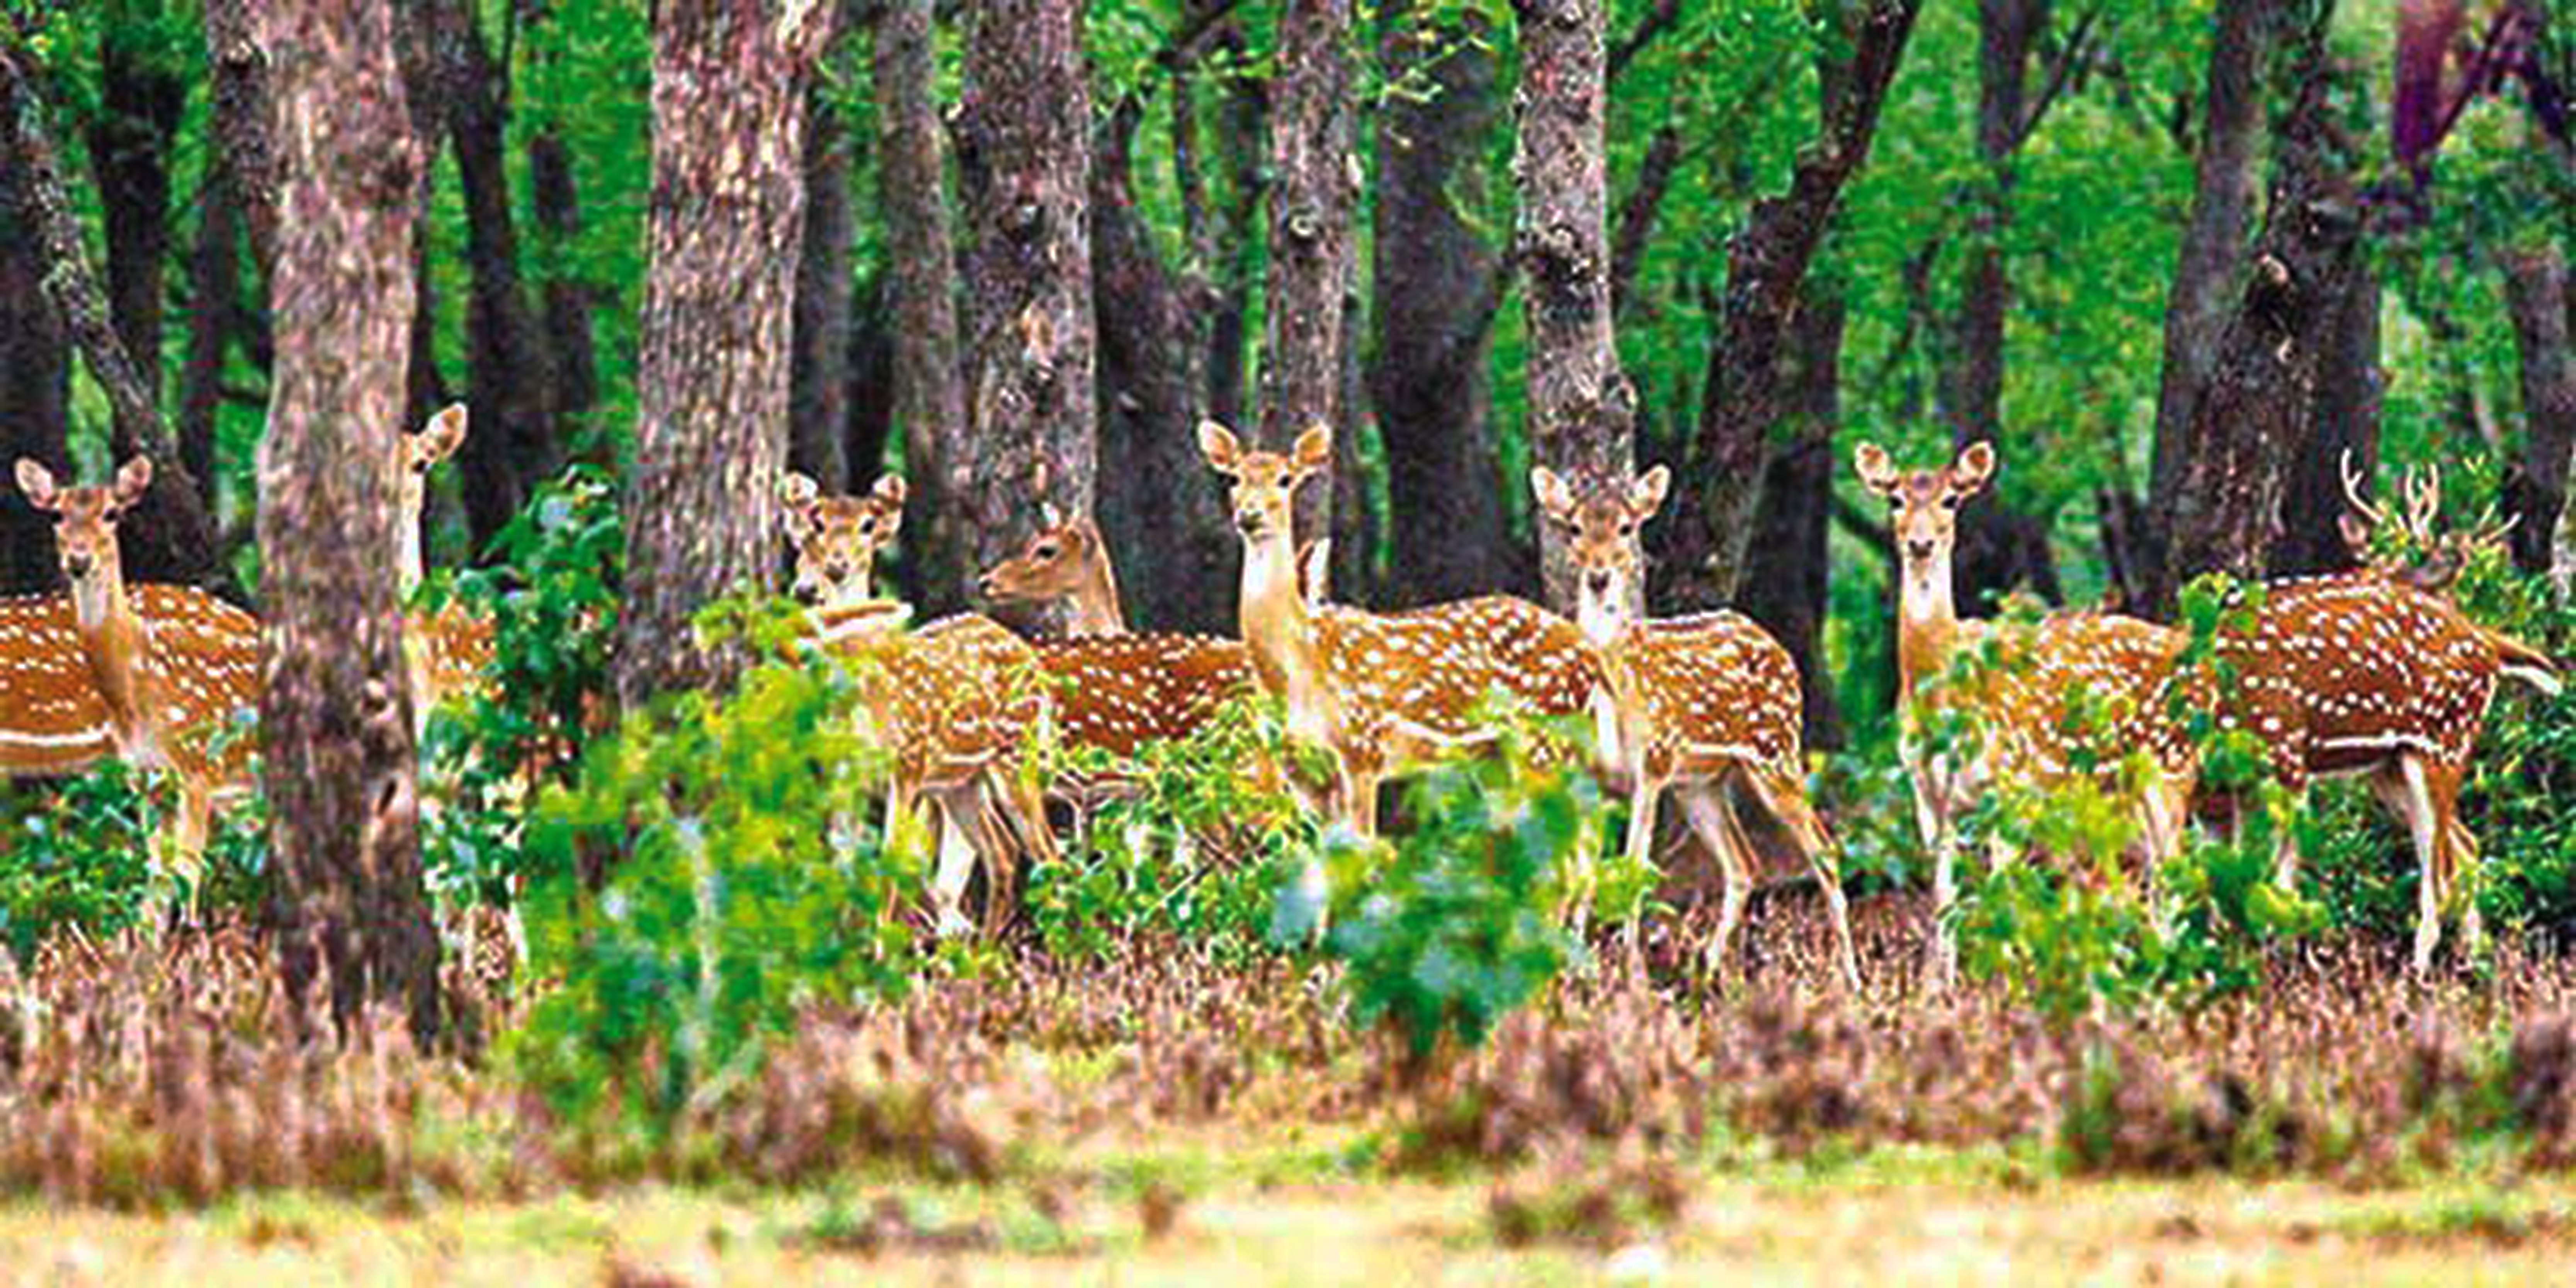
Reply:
x=2343, y=672
x=203, y=663
x=1119, y=692
x=1697, y=692
x=2124, y=670
x=950, y=698
x=52, y=720
x=1429, y=672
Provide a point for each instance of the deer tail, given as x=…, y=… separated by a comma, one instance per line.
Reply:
x=2522, y=662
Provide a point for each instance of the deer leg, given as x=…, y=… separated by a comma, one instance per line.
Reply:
x=1642, y=799
x=1786, y=798
x=2427, y=823
x=1932, y=820
x=187, y=848
x=1713, y=820
x=955, y=864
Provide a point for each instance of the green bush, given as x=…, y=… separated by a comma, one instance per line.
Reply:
x=80, y=858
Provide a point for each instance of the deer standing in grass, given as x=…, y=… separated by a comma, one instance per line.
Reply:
x=1383, y=693
x=1692, y=706
x=173, y=666
x=2371, y=673
x=952, y=702
x=2027, y=705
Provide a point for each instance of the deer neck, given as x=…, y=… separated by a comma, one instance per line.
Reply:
x=1095, y=599
x=115, y=641
x=1927, y=621
x=1278, y=629
x=410, y=568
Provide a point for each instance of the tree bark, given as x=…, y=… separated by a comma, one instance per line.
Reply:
x=557, y=204
x=1024, y=150
x=35, y=412
x=2535, y=289
x=140, y=102
x=1313, y=193
x=818, y=375
x=921, y=278
x=1786, y=566
x=334, y=714
x=1242, y=122
x=2343, y=417
x=867, y=424
x=239, y=122
x=711, y=380
x=1582, y=410
x=1438, y=285
x=1767, y=262
x=2213, y=256
x=168, y=537
x=215, y=306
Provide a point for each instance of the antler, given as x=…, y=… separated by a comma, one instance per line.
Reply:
x=2423, y=504
x=2352, y=481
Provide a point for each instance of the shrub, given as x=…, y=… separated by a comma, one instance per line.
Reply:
x=81, y=859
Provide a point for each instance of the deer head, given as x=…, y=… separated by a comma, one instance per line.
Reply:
x=1600, y=524
x=414, y=455
x=1265, y=483
x=838, y=538
x=2440, y=556
x=1057, y=562
x=85, y=520
x=1924, y=507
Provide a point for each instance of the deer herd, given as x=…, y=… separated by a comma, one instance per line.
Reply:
x=2374, y=672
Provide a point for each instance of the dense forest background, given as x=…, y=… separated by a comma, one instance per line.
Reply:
x=2174, y=258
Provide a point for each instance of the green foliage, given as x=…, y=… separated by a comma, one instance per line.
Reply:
x=1453, y=925
x=736, y=893
x=79, y=860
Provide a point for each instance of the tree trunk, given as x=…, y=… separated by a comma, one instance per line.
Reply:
x=140, y=102
x=818, y=375
x=2343, y=417
x=514, y=442
x=1437, y=286
x=334, y=717
x=169, y=537
x=1767, y=262
x=1313, y=192
x=1582, y=410
x=557, y=203
x=2213, y=256
x=1785, y=568
x=727, y=209
x=921, y=278
x=1024, y=151
x=2535, y=289
x=215, y=304
x=35, y=413
x=868, y=421
x=1242, y=122
x=2256, y=413
x=239, y=121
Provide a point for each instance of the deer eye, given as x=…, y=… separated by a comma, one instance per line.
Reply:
x=1950, y=502
x=1047, y=551
x=867, y=527
x=1627, y=527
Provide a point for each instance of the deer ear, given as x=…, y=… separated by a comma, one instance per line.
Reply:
x=797, y=491
x=2356, y=534
x=1555, y=499
x=1974, y=468
x=892, y=490
x=37, y=482
x=1218, y=445
x=134, y=480
x=1314, y=450
x=1877, y=473
x=1646, y=495
x=445, y=434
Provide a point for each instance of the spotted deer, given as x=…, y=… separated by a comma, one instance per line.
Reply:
x=172, y=665
x=52, y=721
x=447, y=653
x=1693, y=706
x=2027, y=705
x=1383, y=693
x=952, y=702
x=838, y=538
x=2371, y=673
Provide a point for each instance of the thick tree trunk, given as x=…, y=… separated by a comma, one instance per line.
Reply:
x=1241, y=125
x=2343, y=417
x=1313, y=193
x=334, y=716
x=514, y=442
x=1785, y=568
x=818, y=374
x=239, y=120
x=1024, y=150
x=921, y=278
x=2211, y=265
x=35, y=385
x=557, y=204
x=711, y=381
x=140, y=101
x=2255, y=415
x=214, y=298
x=1437, y=287
x=2535, y=288
x=1582, y=410
x=169, y=537
x=1767, y=262
x=867, y=423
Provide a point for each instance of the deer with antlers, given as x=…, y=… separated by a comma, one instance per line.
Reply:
x=1692, y=706
x=953, y=702
x=172, y=666
x=2026, y=708
x=2375, y=673
x=1383, y=693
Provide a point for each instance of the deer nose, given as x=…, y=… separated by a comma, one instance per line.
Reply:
x=1248, y=522
x=807, y=593
x=1598, y=580
x=77, y=566
x=1918, y=549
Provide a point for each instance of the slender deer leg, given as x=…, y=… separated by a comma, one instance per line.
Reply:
x=1704, y=804
x=1642, y=799
x=1931, y=818
x=1787, y=801
x=2467, y=865
x=2425, y=820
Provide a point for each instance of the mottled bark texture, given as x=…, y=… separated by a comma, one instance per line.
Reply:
x=214, y=314
x=1314, y=191
x=1437, y=285
x=2343, y=416
x=239, y=121
x=557, y=204
x=335, y=721
x=818, y=373
x=168, y=538
x=1024, y=152
x=2206, y=274
x=1582, y=411
x=35, y=384
x=726, y=214
x=1744, y=396
x=2535, y=284
x=1785, y=568
x=1240, y=126
x=2255, y=415
x=141, y=97
x=514, y=444
x=921, y=279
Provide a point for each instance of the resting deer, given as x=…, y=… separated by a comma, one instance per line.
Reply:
x=2368, y=672
x=952, y=702
x=1693, y=705
x=172, y=665
x=1383, y=693
x=2027, y=706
